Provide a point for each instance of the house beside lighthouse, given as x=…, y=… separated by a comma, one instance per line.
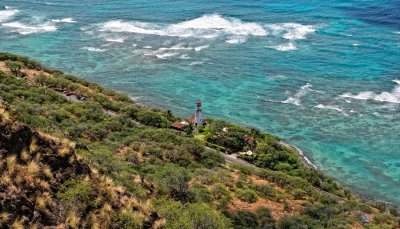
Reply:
x=196, y=120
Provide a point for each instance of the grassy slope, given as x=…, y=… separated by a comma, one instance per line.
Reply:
x=144, y=175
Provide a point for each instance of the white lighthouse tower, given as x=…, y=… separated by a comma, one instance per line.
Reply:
x=198, y=117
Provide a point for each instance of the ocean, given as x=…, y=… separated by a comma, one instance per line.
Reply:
x=322, y=75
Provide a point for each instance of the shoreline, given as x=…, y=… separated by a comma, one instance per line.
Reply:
x=300, y=153
x=306, y=161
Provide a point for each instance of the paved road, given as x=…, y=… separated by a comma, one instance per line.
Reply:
x=233, y=158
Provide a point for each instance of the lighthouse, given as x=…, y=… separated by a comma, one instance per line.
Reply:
x=198, y=117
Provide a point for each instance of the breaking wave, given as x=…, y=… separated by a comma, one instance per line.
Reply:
x=168, y=52
x=291, y=31
x=390, y=97
x=93, y=49
x=207, y=27
x=285, y=47
x=25, y=29
x=64, y=20
x=296, y=98
x=8, y=14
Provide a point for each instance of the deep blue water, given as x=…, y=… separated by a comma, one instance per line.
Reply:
x=323, y=75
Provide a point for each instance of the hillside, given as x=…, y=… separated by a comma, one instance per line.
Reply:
x=76, y=155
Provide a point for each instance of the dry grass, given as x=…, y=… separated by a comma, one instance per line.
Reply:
x=4, y=115
x=5, y=179
x=11, y=163
x=160, y=224
x=105, y=214
x=4, y=217
x=25, y=155
x=93, y=221
x=72, y=220
x=33, y=168
x=41, y=203
x=47, y=171
x=33, y=146
x=17, y=225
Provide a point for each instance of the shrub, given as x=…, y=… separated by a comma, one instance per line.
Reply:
x=211, y=158
x=195, y=215
x=129, y=220
x=75, y=193
x=266, y=190
x=299, y=194
x=200, y=193
x=152, y=118
x=175, y=179
x=247, y=195
x=15, y=67
x=294, y=222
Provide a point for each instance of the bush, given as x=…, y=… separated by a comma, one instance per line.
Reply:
x=247, y=195
x=186, y=216
x=152, y=118
x=75, y=193
x=299, y=194
x=175, y=179
x=211, y=158
x=129, y=220
x=266, y=190
x=294, y=222
x=200, y=193
x=15, y=67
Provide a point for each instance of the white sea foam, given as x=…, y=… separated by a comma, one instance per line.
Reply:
x=184, y=57
x=236, y=40
x=285, y=47
x=166, y=55
x=390, y=97
x=199, y=48
x=194, y=63
x=167, y=52
x=308, y=161
x=64, y=20
x=8, y=14
x=25, y=29
x=296, y=98
x=93, y=49
x=207, y=27
x=291, y=31
x=331, y=107
x=115, y=40
x=275, y=77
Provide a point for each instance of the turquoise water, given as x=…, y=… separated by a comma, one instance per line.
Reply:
x=323, y=75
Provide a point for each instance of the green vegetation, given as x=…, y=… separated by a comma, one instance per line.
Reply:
x=82, y=156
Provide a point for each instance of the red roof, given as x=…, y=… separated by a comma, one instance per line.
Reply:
x=191, y=119
x=178, y=125
x=249, y=140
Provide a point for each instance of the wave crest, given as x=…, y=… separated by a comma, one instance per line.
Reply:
x=25, y=29
x=296, y=98
x=390, y=97
x=8, y=14
x=207, y=27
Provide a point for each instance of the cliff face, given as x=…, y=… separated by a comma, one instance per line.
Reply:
x=76, y=155
x=38, y=175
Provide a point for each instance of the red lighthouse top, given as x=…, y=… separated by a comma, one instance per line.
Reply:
x=198, y=103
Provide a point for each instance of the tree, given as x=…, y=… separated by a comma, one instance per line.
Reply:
x=176, y=179
x=15, y=67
